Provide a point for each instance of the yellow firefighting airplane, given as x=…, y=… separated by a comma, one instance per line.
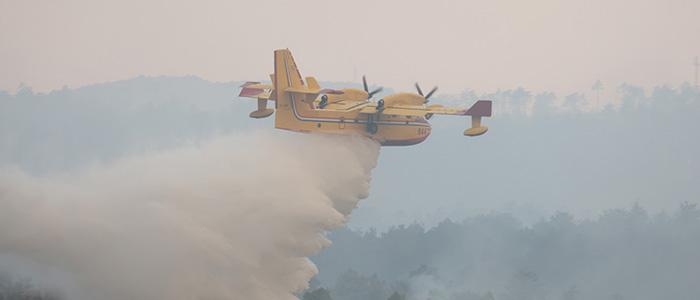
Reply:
x=398, y=119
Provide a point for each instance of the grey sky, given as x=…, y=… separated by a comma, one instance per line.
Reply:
x=545, y=44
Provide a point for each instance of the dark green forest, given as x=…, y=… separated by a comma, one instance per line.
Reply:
x=623, y=254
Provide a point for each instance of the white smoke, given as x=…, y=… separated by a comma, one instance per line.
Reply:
x=234, y=218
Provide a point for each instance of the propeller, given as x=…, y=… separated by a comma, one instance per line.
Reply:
x=427, y=96
x=370, y=94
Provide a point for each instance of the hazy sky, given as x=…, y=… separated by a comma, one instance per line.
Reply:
x=542, y=44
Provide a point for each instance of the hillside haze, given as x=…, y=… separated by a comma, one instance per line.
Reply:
x=541, y=155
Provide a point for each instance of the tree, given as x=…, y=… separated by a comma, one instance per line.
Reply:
x=544, y=103
x=317, y=294
x=597, y=87
x=688, y=213
x=353, y=285
x=397, y=296
x=573, y=101
x=570, y=294
x=519, y=98
x=632, y=96
x=22, y=289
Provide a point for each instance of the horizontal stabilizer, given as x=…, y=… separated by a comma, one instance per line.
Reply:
x=256, y=90
x=304, y=90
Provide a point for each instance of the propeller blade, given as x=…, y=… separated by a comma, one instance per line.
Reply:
x=419, y=90
x=364, y=83
x=377, y=90
x=430, y=93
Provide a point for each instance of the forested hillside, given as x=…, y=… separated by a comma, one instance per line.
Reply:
x=622, y=254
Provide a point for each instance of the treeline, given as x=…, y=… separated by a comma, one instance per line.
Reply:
x=62, y=129
x=625, y=97
x=13, y=288
x=57, y=131
x=644, y=151
x=623, y=254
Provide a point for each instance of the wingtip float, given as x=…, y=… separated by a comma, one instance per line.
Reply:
x=399, y=119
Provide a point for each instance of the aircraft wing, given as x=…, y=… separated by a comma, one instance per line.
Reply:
x=412, y=110
x=415, y=110
x=481, y=108
x=397, y=110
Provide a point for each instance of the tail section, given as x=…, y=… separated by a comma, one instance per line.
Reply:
x=287, y=77
x=286, y=72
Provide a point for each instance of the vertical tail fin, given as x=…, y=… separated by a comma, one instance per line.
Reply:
x=286, y=71
x=286, y=76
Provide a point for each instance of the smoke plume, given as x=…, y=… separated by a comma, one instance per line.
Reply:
x=234, y=218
